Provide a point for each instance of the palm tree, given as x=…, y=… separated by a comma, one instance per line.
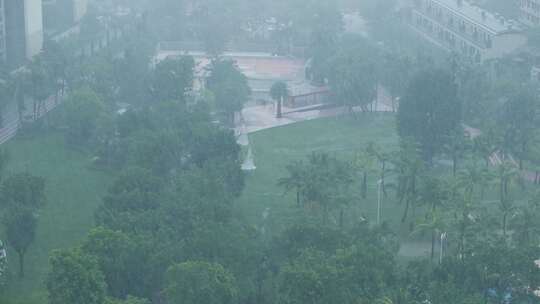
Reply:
x=434, y=223
x=363, y=163
x=458, y=144
x=383, y=158
x=462, y=219
x=507, y=175
x=279, y=91
x=526, y=224
x=472, y=177
x=434, y=192
x=56, y=61
x=295, y=180
x=40, y=84
x=408, y=166
x=19, y=83
x=485, y=146
x=5, y=92
x=326, y=182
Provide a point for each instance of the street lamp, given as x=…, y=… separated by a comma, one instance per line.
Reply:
x=441, y=254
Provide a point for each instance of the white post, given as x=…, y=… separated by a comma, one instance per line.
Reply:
x=379, y=198
x=443, y=238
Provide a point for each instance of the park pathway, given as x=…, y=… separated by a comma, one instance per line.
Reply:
x=262, y=117
x=12, y=121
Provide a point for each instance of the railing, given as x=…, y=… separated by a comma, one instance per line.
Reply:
x=193, y=46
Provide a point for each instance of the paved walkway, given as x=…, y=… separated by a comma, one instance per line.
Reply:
x=261, y=117
x=10, y=116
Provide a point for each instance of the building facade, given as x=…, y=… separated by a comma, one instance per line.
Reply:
x=60, y=16
x=23, y=30
x=530, y=12
x=458, y=26
x=2, y=32
x=79, y=9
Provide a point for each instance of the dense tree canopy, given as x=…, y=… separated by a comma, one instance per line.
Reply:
x=75, y=278
x=229, y=85
x=200, y=282
x=430, y=111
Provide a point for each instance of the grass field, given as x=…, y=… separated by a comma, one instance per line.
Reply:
x=264, y=204
x=274, y=148
x=74, y=190
x=73, y=193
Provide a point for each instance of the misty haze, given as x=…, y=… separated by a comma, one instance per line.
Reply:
x=269, y=151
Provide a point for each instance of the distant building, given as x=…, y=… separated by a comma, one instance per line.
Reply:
x=458, y=26
x=79, y=8
x=23, y=29
x=62, y=15
x=530, y=12
x=3, y=51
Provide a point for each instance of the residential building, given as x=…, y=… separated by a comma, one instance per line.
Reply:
x=62, y=15
x=459, y=26
x=79, y=9
x=23, y=30
x=530, y=12
x=2, y=32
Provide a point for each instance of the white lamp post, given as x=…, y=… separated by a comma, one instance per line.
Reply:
x=441, y=254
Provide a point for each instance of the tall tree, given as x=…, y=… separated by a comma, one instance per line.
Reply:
x=200, y=283
x=83, y=109
x=121, y=260
x=7, y=89
x=23, y=190
x=230, y=87
x=296, y=180
x=352, y=78
x=519, y=120
x=433, y=223
x=384, y=158
x=22, y=195
x=325, y=27
x=507, y=175
x=456, y=147
x=395, y=74
x=20, y=226
x=525, y=225
x=56, y=59
x=430, y=111
x=40, y=85
x=409, y=167
x=363, y=163
x=74, y=277
x=173, y=78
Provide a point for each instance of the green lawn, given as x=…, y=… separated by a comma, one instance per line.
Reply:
x=274, y=148
x=74, y=190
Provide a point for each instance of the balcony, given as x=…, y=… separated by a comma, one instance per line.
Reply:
x=463, y=29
